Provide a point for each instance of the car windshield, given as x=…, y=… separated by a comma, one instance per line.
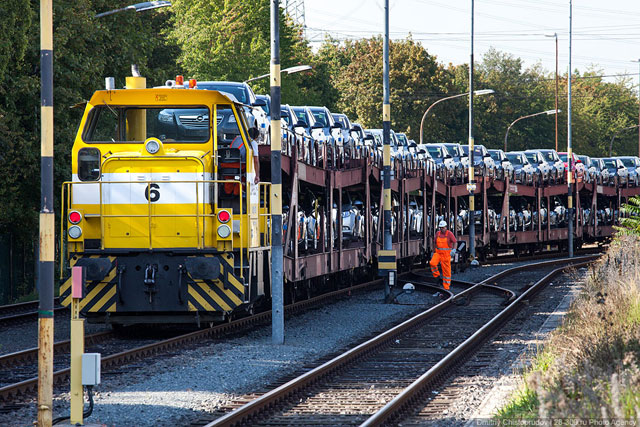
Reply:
x=563, y=157
x=285, y=117
x=402, y=140
x=266, y=108
x=495, y=155
x=321, y=117
x=301, y=114
x=628, y=163
x=548, y=156
x=454, y=150
x=610, y=163
x=240, y=92
x=436, y=152
x=342, y=120
x=477, y=151
x=515, y=159
x=532, y=157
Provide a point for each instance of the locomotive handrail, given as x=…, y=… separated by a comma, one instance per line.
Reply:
x=67, y=199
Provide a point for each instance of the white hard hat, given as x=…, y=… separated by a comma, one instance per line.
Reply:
x=442, y=224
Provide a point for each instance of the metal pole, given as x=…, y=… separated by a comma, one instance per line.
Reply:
x=472, y=186
x=569, y=152
x=386, y=258
x=556, y=35
x=277, y=268
x=47, y=234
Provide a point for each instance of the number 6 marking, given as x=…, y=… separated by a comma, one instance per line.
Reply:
x=155, y=194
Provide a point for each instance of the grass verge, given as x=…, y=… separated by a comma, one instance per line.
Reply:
x=589, y=367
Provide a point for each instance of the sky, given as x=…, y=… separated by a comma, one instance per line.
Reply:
x=606, y=34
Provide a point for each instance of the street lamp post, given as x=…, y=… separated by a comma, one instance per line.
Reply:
x=616, y=134
x=424, y=116
x=548, y=112
x=290, y=70
x=555, y=35
x=138, y=7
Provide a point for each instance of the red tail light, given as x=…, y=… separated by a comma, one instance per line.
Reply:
x=75, y=217
x=224, y=216
x=179, y=80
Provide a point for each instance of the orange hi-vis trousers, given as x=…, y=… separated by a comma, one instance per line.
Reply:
x=442, y=256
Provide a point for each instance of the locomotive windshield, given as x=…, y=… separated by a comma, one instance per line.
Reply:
x=126, y=124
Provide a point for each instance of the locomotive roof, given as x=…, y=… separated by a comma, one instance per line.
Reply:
x=161, y=96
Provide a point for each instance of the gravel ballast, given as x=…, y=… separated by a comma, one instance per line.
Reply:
x=176, y=389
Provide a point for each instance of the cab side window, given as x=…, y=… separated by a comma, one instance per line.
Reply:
x=89, y=164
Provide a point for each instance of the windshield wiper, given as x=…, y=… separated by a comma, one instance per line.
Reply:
x=110, y=108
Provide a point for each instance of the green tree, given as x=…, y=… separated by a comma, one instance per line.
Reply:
x=356, y=73
x=230, y=40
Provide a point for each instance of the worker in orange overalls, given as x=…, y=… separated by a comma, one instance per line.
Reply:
x=445, y=246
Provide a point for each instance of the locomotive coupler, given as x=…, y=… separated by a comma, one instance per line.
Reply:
x=150, y=280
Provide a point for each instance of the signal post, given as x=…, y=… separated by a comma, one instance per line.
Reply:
x=47, y=220
x=387, y=256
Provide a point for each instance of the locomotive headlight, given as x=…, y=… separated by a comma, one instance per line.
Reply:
x=75, y=232
x=152, y=145
x=224, y=231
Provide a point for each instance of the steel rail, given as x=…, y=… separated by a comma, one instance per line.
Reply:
x=434, y=375
x=21, y=317
x=29, y=386
x=244, y=413
x=21, y=307
x=31, y=354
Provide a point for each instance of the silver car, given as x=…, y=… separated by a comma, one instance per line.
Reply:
x=537, y=160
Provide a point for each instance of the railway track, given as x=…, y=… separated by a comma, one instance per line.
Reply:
x=510, y=258
x=21, y=312
x=15, y=363
x=375, y=382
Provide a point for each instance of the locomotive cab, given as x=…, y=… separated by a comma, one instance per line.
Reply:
x=162, y=209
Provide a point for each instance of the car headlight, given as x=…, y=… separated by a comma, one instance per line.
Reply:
x=165, y=117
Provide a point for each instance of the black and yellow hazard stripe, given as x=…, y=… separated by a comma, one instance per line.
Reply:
x=100, y=295
x=221, y=295
x=386, y=261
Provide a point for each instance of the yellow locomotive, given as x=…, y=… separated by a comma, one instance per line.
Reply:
x=163, y=210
